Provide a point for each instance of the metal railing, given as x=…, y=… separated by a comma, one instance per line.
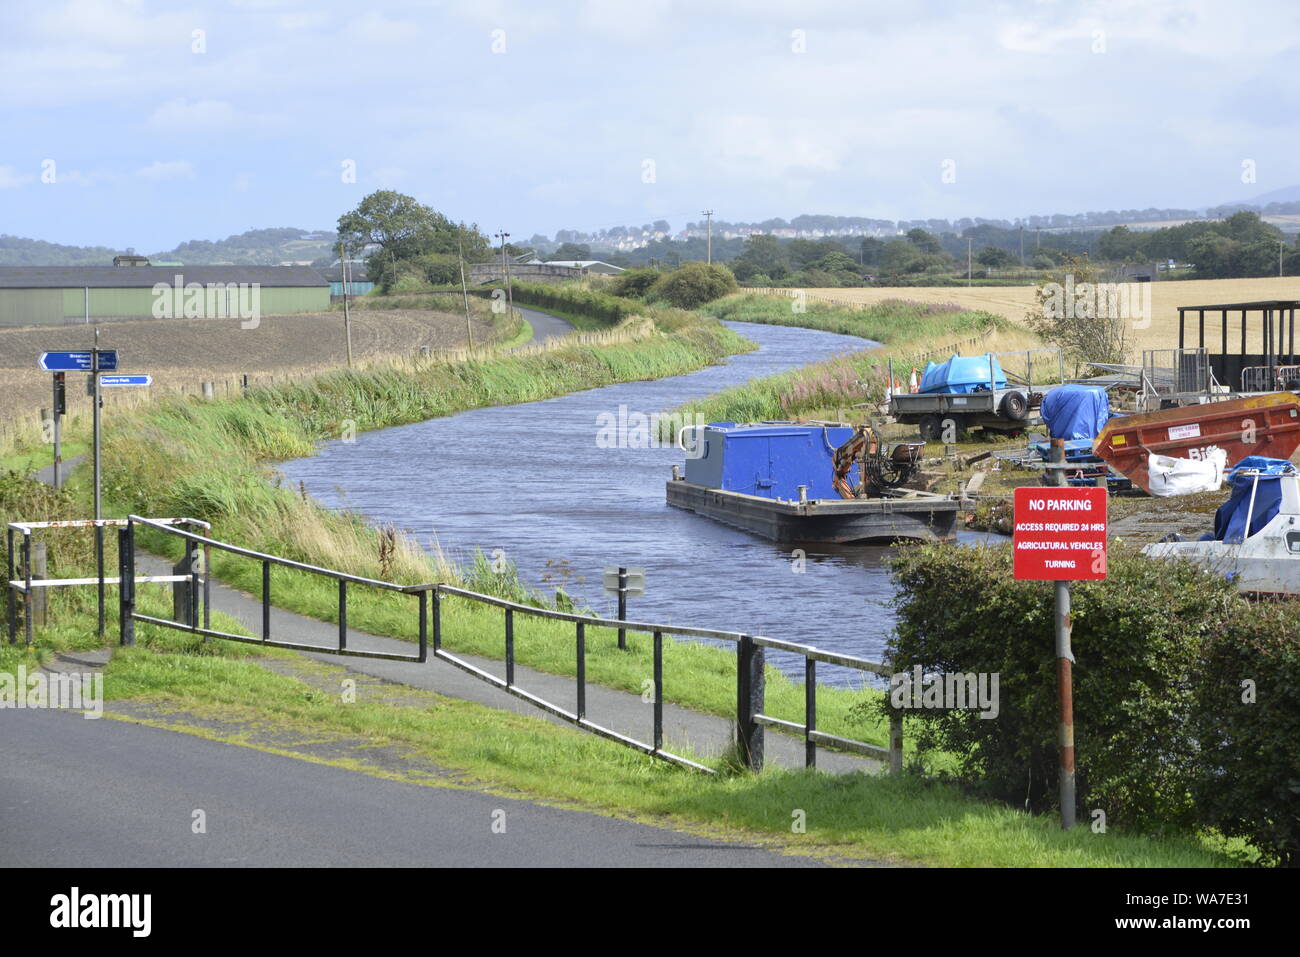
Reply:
x=750, y=719
x=26, y=584
x=128, y=616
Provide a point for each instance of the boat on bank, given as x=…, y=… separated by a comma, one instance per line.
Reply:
x=809, y=482
x=1256, y=538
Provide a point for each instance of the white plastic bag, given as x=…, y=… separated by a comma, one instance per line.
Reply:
x=1171, y=476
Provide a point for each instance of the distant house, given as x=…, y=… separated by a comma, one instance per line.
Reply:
x=131, y=261
x=53, y=295
x=588, y=265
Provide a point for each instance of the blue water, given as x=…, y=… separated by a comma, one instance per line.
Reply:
x=531, y=481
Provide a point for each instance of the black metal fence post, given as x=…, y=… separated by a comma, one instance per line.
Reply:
x=510, y=647
x=207, y=588
x=126, y=590
x=192, y=553
x=437, y=620
x=659, y=690
x=809, y=712
x=424, y=626
x=582, y=670
x=12, y=598
x=343, y=614
x=622, y=606
x=749, y=701
x=27, y=595
x=266, y=601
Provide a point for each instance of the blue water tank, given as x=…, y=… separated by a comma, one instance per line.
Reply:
x=769, y=459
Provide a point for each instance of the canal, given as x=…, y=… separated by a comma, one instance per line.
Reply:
x=532, y=481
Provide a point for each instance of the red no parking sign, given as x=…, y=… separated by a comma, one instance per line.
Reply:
x=1060, y=534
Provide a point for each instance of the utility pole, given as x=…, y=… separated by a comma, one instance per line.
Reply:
x=469, y=330
x=505, y=268
x=968, y=261
x=347, y=316
x=1022, y=244
x=1280, y=246
x=708, y=219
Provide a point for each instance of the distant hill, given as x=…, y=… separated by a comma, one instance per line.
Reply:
x=257, y=247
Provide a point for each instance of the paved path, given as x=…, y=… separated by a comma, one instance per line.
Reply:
x=105, y=793
x=545, y=326
x=620, y=711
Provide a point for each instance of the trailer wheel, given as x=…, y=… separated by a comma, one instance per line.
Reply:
x=931, y=428
x=1014, y=406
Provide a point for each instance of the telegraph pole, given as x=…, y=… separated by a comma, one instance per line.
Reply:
x=469, y=330
x=968, y=266
x=347, y=316
x=505, y=268
x=708, y=219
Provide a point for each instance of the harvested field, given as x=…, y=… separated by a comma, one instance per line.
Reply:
x=1014, y=301
x=183, y=353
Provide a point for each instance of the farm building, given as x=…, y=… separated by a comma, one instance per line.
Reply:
x=53, y=295
x=359, y=282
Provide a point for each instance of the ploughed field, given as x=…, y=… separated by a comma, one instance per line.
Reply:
x=183, y=353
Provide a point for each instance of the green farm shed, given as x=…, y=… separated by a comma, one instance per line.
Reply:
x=54, y=295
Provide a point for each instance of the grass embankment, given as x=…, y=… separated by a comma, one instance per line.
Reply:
x=908, y=332
x=272, y=700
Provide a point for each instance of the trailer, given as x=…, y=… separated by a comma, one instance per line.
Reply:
x=1008, y=406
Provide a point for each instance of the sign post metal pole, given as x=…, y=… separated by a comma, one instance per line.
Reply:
x=60, y=400
x=1065, y=696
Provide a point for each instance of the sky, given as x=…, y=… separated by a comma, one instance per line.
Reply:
x=144, y=124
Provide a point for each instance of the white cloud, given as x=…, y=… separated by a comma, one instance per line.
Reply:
x=159, y=170
x=180, y=115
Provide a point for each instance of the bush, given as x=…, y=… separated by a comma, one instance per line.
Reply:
x=1248, y=769
x=634, y=283
x=1137, y=640
x=692, y=285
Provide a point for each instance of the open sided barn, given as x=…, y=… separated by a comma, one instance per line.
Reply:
x=55, y=295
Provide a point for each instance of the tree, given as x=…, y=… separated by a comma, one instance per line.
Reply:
x=762, y=254
x=571, y=251
x=692, y=285
x=634, y=283
x=1070, y=314
x=923, y=241
x=405, y=230
x=993, y=257
x=870, y=249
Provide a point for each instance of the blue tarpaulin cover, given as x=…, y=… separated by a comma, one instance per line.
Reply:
x=962, y=374
x=1230, y=519
x=1075, y=411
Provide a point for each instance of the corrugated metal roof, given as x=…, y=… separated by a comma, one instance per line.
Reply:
x=132, y=277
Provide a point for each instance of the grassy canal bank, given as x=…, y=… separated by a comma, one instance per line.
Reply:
x=208, y=460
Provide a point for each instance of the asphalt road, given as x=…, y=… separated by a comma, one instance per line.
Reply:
x=545, y=326
x=105, y=793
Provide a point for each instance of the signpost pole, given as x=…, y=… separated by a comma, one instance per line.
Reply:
x=1065, y=695
x=57, y=408
x=94, y=376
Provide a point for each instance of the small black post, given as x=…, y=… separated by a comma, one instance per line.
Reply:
x=207, y=587
x=126, y=591
x=749, y=701
x=424, y=627
x=266, y=600
x=437, y=620
x=27, y=580
x=659, y=690
x=192, y=553
x=510, y=647
x=343, y=614
x=99, y=571
x=810, y=712
x=582, y=670
x=12, y=600
x=622, y=606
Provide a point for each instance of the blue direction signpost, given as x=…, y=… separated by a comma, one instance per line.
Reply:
x=120, y=380
x=79, y=361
